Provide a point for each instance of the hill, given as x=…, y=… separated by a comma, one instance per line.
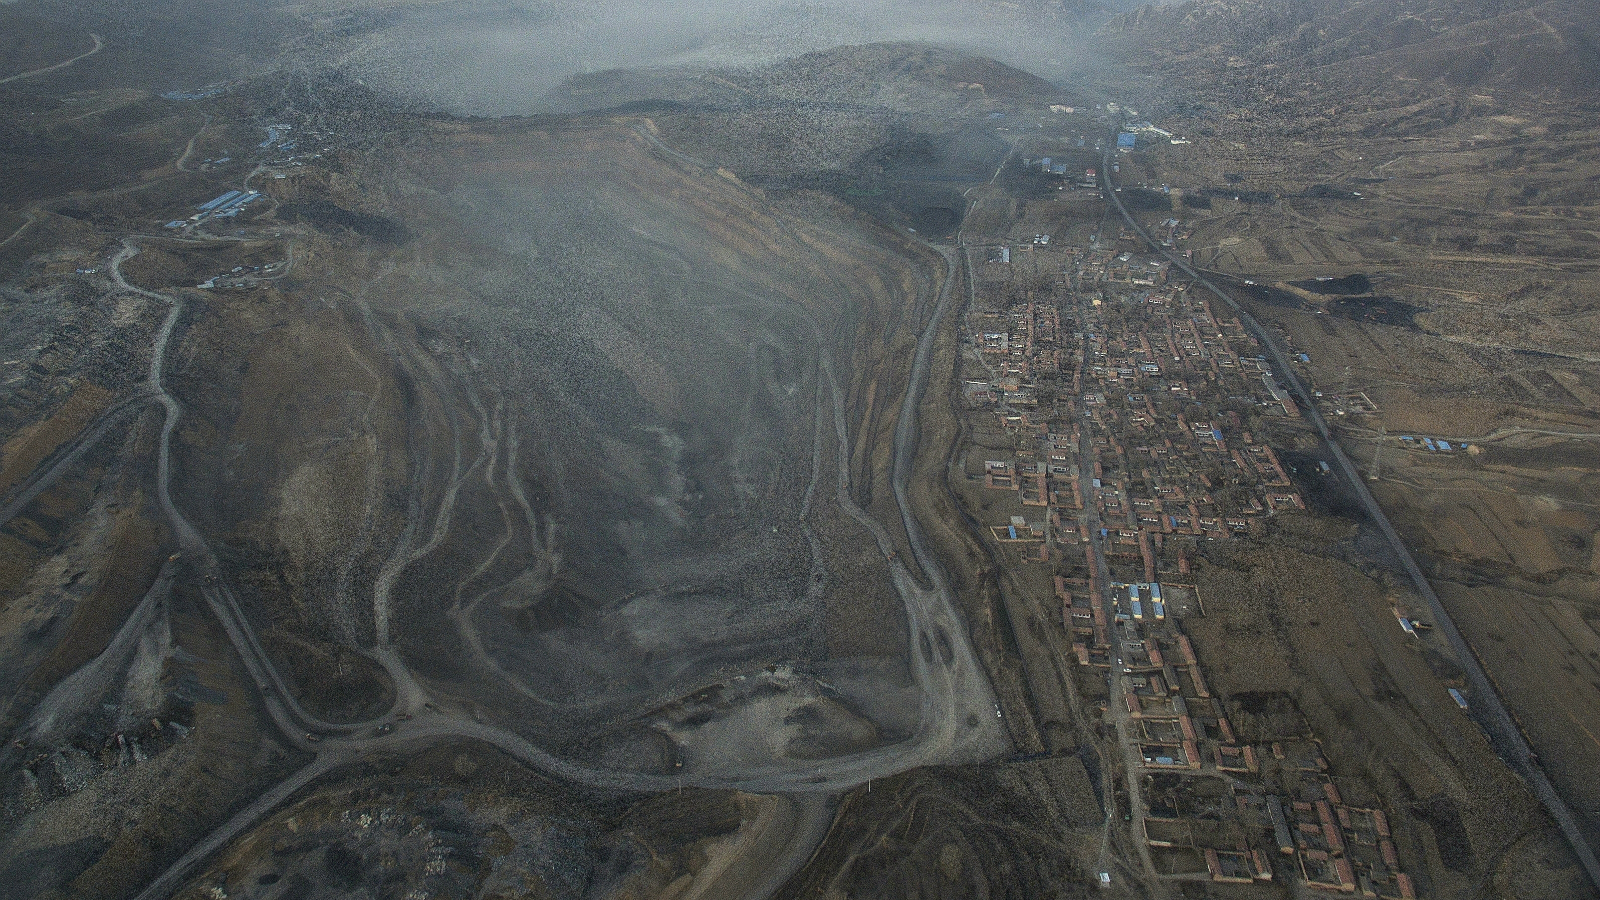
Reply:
x=1542, y=50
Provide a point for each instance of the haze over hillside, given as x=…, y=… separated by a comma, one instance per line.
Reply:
x=972, y=448
x=498, y=59
x=1527, y=48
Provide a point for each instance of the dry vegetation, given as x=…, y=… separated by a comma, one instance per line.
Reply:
x=550, y=404
x=1474, y=228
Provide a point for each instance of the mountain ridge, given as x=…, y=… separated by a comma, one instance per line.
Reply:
x=1548, y=50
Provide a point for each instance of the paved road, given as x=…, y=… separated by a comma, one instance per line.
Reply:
x=933, y=617
x=957, y=714
x=1487, y=709
x=286, y=712
x=351, y=742
x=907, y=433
x=958, y=720
x=169, y=881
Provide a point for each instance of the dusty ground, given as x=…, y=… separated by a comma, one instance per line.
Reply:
x=587, y=430
x=550, y=406
x=466, y=822
x=1371, y=697
x=1001, y=830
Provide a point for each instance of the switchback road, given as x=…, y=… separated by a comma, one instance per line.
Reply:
x=957, y=721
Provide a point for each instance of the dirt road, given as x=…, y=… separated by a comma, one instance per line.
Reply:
x=98, y=43
x=1127, y=745
x=958, y=714
x=64, y=457
x=72, y=696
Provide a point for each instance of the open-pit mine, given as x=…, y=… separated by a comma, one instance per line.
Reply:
x=445, y=456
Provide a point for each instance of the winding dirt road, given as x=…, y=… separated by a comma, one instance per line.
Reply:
x=957, y=720
x=27, y=219
x=98, y=43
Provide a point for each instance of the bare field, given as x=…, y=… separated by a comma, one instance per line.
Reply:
x=1544, y=651
x=1373, y=698
x=87, y=801
x=1512, y=519
x=1027, y=827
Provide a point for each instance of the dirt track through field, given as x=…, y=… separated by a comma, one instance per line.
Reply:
x=98, y=43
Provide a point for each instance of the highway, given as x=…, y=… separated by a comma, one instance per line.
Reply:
x=1487, y=709
x=957, y=718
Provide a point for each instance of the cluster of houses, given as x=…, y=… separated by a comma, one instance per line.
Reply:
x=1116, y=421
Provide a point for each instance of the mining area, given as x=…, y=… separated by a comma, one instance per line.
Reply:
x=981, y=450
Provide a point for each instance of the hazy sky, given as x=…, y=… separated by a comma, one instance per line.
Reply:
x=499, y=57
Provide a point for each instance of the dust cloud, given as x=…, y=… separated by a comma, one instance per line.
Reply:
x=501, y=57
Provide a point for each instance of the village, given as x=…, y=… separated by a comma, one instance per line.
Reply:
x=1117, y=420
